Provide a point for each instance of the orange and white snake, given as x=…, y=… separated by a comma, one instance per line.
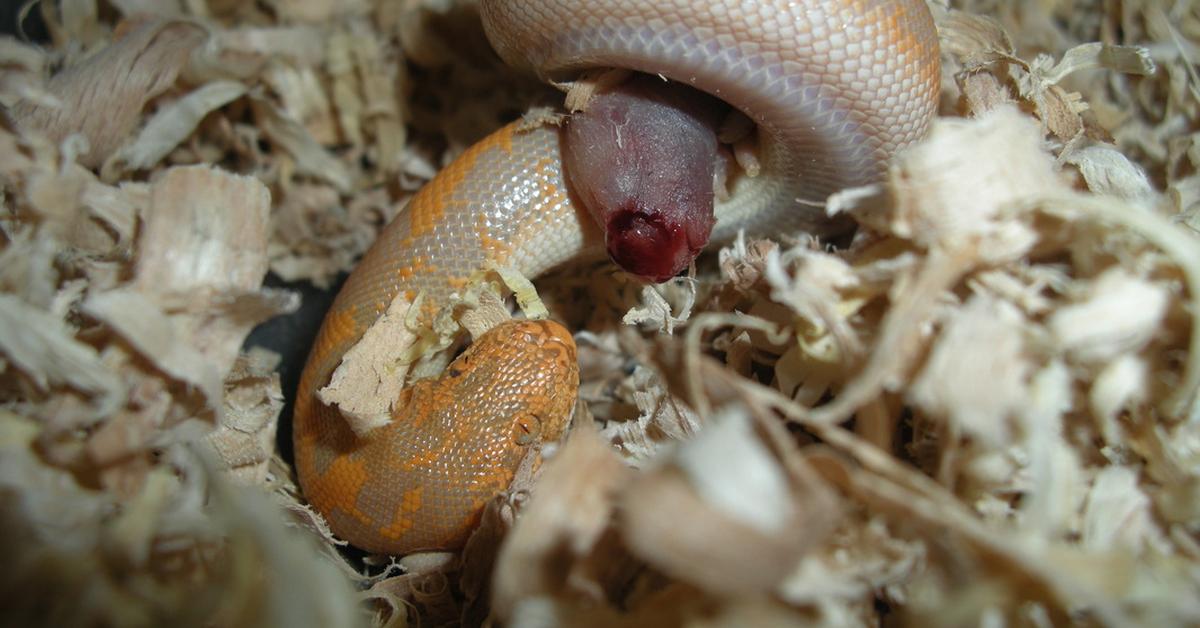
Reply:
x=835, y=87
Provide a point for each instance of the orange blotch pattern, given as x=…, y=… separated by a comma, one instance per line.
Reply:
x=405, y=516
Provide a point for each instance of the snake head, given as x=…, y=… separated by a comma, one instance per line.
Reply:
x=530, y=372
x=422, y=481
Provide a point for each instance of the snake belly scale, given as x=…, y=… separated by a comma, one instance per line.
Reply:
x=835, y=86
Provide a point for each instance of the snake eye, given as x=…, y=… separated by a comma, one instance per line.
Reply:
x=527, y=429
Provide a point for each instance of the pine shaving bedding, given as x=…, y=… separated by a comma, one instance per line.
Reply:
x=982, y=411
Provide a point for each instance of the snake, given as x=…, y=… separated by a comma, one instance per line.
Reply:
x=835, y=88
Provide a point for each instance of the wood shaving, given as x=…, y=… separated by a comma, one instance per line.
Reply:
x=101, y=98
x=659, y=313
x=984, y=409
x=372, y=373
x=244, y=441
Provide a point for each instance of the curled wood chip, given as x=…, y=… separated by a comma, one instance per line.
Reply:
x=743, y=262
x=157, y=337
x=486, y=309
x=205, y=230
x=820, y=290
x=1120, y=384
x=571, y=507
x=721, y=513
x=310, y=158
x=982, y=394
x=662, y=418
x=185, y=523
x=977, y=39
x=313, y=235
x=1119, y=514
x=245, y=436
x=857, y=562
x=102, y=97
x=42, y=348
x=659, y=312
x=751, y=488
x=1120, y=314
x=1107, y=171
x=523, y=290
x=581, y=90
x=1127, y=59
x=203, y=258
x=22, y=79
x=371, y=375
x=173, y=123
x=243, y=50
x=949, y=198
x=1055, y=471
